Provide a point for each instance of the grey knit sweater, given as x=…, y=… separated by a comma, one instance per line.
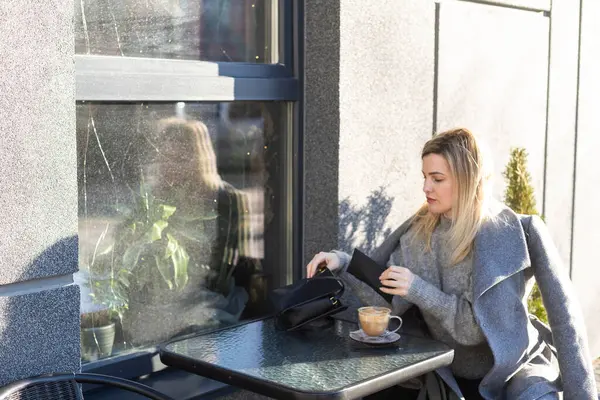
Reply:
x=443, y=294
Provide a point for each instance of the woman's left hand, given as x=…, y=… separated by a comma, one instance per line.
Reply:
x=396, y=280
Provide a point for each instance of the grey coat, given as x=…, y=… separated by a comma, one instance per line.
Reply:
x=508, y=252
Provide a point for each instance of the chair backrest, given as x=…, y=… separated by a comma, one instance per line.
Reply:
x=65, y=387
x=60, y=390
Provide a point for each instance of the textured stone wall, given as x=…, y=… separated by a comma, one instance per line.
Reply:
x=586, y=231
x=39, y=306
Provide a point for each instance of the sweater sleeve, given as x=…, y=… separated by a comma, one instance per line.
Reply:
x=455, y=313
x=564, y=314
x=344, y=261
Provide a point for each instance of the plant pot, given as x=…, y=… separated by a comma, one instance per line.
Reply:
x=97, y=342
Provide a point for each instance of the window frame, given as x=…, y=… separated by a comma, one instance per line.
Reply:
x=516, y=5
x=129, y=79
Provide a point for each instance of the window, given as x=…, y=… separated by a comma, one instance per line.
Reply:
x=209, y=30
x=184, y=166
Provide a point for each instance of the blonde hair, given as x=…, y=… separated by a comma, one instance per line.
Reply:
x=179, y=138
x=471, y=203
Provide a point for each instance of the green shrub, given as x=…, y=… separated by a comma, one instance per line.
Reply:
x=520, y=197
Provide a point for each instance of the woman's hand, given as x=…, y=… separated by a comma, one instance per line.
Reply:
x=331, y=261
x=396, y=280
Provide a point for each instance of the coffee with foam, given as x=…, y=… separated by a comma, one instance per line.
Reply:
x=374, y=321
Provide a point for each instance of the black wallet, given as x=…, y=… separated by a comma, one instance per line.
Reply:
x=367, y=270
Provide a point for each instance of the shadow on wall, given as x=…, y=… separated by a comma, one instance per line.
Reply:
x=39, y=332
x=364, y=227
x=57, y=258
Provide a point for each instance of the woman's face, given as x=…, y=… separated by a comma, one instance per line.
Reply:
x=438, y=184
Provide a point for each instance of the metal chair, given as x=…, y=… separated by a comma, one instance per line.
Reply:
x=65, y=386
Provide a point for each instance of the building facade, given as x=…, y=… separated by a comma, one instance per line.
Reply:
x=166, y=163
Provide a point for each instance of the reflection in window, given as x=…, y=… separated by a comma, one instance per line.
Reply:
x=174, y=201
x=209, y=30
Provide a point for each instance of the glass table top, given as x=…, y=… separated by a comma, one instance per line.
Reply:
x=317, y=361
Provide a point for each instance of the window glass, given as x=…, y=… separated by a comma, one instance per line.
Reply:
x=209, y=30
x=178, y=203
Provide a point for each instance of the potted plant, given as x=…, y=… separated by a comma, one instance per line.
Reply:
x=97, y=335
x=520, y=197
x=101, y=326
x=155, y=267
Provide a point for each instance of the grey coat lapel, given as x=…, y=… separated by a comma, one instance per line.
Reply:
x=498, y=253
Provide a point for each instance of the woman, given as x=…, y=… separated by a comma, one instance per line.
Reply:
x=208, y=226
x=465, y=266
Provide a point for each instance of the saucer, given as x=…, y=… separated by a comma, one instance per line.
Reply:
x=386, y=338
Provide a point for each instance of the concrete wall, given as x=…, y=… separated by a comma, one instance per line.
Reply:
x=39, y=306
x=562, y=105
x=586, y=231
x=369, y=109
x=405, y=69
x=386, y=114
x=321, y=125
x=493, y=65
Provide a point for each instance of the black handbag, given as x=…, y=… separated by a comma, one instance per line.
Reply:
x=307, y=302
